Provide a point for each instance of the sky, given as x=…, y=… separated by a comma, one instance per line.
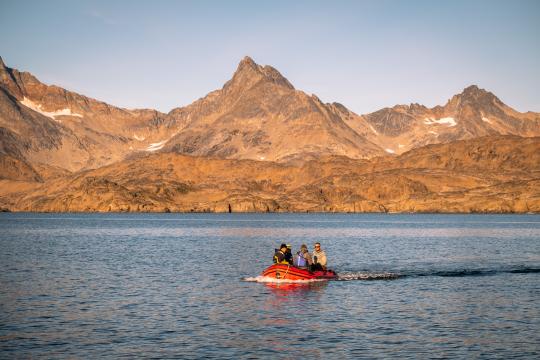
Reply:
x=366, y=55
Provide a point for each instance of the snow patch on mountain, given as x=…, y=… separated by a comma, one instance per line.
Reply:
x=156, y=146
x=50, y=114
x=442, y=121
x=159, y=145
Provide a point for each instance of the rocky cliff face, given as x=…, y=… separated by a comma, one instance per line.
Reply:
x=490, y=174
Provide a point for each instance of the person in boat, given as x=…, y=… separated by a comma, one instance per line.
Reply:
x=302, y=259
x=280, y=255
x=288, y=254
x=319, y=258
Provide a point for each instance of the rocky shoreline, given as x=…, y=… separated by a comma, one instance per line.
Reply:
x=487, y=175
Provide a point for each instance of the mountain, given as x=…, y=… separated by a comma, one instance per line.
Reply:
x=256, y=115
x=473, y=113
x=259, y=144
x=41, y=124
x=488, y=174
x=259, y=115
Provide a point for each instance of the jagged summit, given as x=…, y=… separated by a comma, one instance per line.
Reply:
x=259, y=115
x=247, y=62
x=472, y=89
x=475, y=96
x=475, y=93
x=247, y=66
x=249, y=73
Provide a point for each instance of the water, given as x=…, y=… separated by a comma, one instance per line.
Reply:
x=170, y=285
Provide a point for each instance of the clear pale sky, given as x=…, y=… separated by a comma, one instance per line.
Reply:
x=364, y=54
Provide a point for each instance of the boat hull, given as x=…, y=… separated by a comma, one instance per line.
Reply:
x=289, y=272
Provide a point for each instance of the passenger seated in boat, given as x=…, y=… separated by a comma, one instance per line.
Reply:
x=288, y=254
x=279, y=255
x=302, y=259
x=319, y=258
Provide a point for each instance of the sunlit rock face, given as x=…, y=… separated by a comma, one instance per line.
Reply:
x=259, y=115
x=489, y=174
x=259, y=144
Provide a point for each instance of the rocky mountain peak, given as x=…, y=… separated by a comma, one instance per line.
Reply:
x=249, y=72
x=474, y=91
x=2, y=65
x=476, y=94
x=247, y=63
x=247, y=68
x=475, y=97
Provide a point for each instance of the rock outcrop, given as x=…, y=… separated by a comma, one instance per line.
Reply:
x=489, y=174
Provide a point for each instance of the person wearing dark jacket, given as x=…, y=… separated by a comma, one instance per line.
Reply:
x=288, y=254
x=280, y=255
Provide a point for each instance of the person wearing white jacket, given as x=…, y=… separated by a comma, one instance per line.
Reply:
x=319, y=257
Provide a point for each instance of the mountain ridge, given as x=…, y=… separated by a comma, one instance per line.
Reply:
x=260, y=144
x=257, y=114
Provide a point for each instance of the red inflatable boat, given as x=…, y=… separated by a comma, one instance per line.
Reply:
x=289, y=272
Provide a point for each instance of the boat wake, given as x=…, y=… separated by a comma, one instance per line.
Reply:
x=477, y=272
x=348, y=276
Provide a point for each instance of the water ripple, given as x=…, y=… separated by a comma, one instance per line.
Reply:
x=171, y=286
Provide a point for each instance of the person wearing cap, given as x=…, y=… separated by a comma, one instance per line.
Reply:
x=279, y=255
x=302, y=259
x=319, y=258
x=288, y=254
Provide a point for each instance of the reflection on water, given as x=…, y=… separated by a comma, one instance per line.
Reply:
x=295, y=291
x=169, y=285
x=289, y=288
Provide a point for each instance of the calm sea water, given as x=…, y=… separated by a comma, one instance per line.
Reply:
x=170, y=285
